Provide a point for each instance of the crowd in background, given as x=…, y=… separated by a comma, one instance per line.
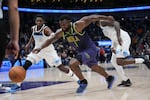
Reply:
x=138, y=30
x=78, y=4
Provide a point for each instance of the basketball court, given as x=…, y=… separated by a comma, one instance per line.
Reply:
x=51, y=84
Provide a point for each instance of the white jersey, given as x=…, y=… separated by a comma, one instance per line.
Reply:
x=1, y=12
x=121, y=50
x=110, y=32
x=49, y=53
x=40, y=38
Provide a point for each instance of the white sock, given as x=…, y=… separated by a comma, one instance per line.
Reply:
x=139, y=60
x=119, y=70
x=72, y=75
x=19, y=84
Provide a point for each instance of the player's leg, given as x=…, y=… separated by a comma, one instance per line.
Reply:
x=123, y=51
x=126, y=61
x=74, y=65
x=98, y=69
x=68, y=72
x=31, y=59
x=125, y=80
x=54, y=60
x=90, y=59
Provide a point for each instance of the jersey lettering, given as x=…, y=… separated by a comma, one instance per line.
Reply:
x=73, y=39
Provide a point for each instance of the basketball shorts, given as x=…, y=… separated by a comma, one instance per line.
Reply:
x=51, y=57
x=88, y=57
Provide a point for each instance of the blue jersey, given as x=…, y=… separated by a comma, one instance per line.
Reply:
x=80, y=41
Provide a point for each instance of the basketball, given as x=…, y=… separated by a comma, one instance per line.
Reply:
x=17, y=74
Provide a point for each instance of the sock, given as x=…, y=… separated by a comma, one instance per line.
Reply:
x=27, y=64
x=19, y=84
x=139, y=60
x=121, y=72
x=72, y=75
x=119, y=69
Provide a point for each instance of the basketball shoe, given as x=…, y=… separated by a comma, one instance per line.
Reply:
x=82, y=86
x=126, y=83
x=110, y=80
x=15, y=88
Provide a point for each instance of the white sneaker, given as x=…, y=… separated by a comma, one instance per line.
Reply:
x=139, y=60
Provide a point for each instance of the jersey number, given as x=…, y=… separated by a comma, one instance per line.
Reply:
x=73, y=39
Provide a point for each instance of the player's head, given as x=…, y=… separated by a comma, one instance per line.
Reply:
x=64, y=22
x=39, y=20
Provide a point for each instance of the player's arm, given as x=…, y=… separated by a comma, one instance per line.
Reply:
x=13, y=20
x=117, y=28
x=114, y=24
x=31, y=40
x=85, y=21
x=58, y=34
x=48, y=32
x=13, y=46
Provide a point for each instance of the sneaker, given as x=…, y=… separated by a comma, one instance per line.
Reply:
x=14, y=88
x=110, y=80
x=4, y=89
x=82, y=87
x=147, y=63
x=126, y=83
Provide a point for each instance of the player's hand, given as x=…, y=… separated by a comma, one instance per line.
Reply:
x=12, y=49
x=37, y=50
x=120, y=41
x=113, y=50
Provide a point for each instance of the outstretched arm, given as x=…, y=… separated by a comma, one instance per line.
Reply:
x=53, y=39
x=85, y=21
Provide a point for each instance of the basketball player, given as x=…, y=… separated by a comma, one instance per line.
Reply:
x=12, y=48
x=41, y=33
x=120, y=48
x=86, y=49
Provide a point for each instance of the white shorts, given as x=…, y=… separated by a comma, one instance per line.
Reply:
x=122, y=51
x=51, y=57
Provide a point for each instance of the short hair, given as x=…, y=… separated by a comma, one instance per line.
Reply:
x=41, y=16
x=63, y=17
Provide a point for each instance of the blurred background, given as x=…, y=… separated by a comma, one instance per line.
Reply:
x=136, y=22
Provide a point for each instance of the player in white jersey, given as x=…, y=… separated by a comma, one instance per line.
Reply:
x=40, y=33
x=120, y=48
